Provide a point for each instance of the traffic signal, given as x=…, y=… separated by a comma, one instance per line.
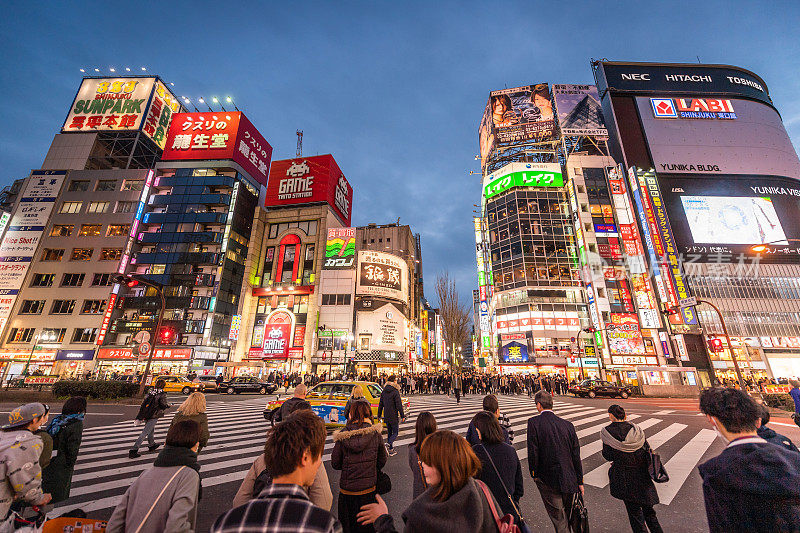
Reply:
x=167, y=336
x=589, y=330
x=126, y=280
x=715, y=345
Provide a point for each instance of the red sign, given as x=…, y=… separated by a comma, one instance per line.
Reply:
x=214, y=136
x=170, y=354
x=106, y=319
x=310, y=180
x=115, y=353
x=299, y=336
x=278, y=334
x=295, y=353
x=173, y=353
x=255, y=353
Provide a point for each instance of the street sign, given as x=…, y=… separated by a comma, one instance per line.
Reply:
x=144, y=348
x=142, y=337
x=688, y=302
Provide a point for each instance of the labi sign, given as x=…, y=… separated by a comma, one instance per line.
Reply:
x=522, y=175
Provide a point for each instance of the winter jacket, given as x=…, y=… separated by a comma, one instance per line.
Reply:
x=416, y=470
x=175, y=511
x=153, y=405
x=770, y=435
x=752, y=486
x=286, y=407
x=20, y=451
x=57, y=476
x=319, y=492
x=472, y=433
x=358, y=452
x=629, y=476
x=202, y=421
x=506, y=460
x=466, y=510
x=391, y=405
x=795, y=394
x=47, y=447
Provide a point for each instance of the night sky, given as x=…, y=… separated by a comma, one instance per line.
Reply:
x=394, y=91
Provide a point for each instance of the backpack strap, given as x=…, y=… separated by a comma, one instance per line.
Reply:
x=489, y=500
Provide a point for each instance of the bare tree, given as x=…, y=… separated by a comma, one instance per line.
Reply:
x=455, y=317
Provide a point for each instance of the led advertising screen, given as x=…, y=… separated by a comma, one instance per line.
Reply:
x=340, y=249
x=382, y=274
x=579, y=110
x=522, y=175
x=730, y=215
x=521, y=114
x=514, y=352
x=309, y=180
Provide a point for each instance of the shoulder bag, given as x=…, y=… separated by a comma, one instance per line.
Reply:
x=522, y=527
x=578, y=515
x=505, y=524
x=138, y=529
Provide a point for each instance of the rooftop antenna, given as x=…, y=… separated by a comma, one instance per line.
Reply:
x=698, y=58
x=299, y=143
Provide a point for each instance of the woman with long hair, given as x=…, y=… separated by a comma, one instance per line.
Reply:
x=194, y=408
x=426, y=424
x=454, y=500
x=355, y=395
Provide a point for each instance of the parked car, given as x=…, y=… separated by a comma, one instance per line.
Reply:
x=209, y=383
x=598, y=387
x=247, y=384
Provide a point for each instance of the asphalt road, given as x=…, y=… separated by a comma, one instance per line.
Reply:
x=679, y=433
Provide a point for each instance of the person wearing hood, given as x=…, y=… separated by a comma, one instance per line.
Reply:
x=752, y=485
x=770, y=435
x=359, y=453
x=20, y=450
x=625, y=445
x=390, y=406
x=66, y=431
x=153, y=407
x=164, y=498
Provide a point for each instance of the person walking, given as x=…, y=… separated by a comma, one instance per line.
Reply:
x=164, y=498
x=66, y=429
x=554, y=460
x=289, y=405
x=152, y=408
x=770, y=435
x=457, y=388
x=753, y=485
x=490, y=404
x=794, y=392
x=454, y=500
x=425, y=425
x=500, y=466
x=194, y=408
x=390, y=406
x=356, y=395
x=625, y=445
x=358, y=451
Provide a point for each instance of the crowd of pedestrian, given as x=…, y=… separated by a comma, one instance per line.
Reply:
x=460, y=483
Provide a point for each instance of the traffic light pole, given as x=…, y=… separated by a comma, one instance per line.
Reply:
x=739, y=377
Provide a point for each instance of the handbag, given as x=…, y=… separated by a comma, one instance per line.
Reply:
x=656, y=468
x=505, y=524
x=523, y=528
x=578, y=515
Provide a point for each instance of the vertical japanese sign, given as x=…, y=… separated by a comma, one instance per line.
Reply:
x=163, y=106
x=25, y=230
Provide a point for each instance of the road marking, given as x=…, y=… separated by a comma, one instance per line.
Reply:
x=682, y=463
x=665, y=412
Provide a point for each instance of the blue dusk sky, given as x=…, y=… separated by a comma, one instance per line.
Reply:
x=394, y=90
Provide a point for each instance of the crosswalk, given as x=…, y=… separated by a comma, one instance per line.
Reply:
x=238, y=430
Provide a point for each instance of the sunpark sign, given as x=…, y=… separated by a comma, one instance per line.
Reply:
x=522, y=175
x=702, y=108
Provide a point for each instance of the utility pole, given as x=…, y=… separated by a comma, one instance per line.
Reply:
x=299, y=144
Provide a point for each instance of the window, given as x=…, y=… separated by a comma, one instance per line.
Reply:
x=81, y=254
x=62, y=230
x=79, y=185
x=97, y=207
x=43, y=280
x=20, y=335
x=55, y=333
x=106, y=185
x=62, y=307
x=110, y=254
x=124, y=207
x=90, y=230
x=117, y=230
x=31, y=307
x=132, y=185
x=84, y=334
x=93, y=307
x=335, y=299
x=72, y=280
x=102, y=280
x=71, y=207
x=52, y=254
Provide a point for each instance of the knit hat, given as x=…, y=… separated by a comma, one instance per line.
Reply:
x=24, y=415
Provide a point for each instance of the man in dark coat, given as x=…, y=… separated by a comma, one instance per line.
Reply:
x=770, y=435
x=66, y=429
x=390, y=406
x=554, y=458
x=290, y=405
x=752, y=485
x=625, y=445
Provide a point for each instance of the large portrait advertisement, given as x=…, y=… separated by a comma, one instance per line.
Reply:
x=579, y=110
x=382, y=274
x=521, y=114
x=729, y=215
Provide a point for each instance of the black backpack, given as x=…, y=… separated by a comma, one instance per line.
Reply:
x=262, y=481
x=148, y=408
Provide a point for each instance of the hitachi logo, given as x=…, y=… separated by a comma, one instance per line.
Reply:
x=685, y=77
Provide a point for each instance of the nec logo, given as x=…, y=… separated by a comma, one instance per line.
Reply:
x=663, y=108
x=636, y=77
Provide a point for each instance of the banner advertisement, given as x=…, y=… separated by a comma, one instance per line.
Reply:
x=219, y=136
x=522, y=175
x=386, y=327
x=382, y=274
x=514, y=352
x=624, y=335
x=522, y=114
x=162, y=107
x=109, y=104
x=485, y=136
x=278, y=332
x=310, y=180
x=579, y=110
x=340, y=249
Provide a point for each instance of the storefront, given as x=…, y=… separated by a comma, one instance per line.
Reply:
x=379, y=362
x=622, y=369
x=330, y=363
x=579, y=368
x=39, y=361
x=72, y=364
x=205, y=357
x=123, y=361
x=232, y=369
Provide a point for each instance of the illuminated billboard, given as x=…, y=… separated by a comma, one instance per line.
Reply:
x=521, y=114
x=579, y=110
x=522, y=175
x=109, y=104
x=624, y=335
x=340, y=249
x=382, y=274
x=310, y=180
x=159, y=116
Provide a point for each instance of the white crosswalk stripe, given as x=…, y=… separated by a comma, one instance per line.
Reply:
x=238, y=431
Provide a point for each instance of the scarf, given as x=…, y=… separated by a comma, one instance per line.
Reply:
x=60, y=421
x=180, y=456
x=633, y=440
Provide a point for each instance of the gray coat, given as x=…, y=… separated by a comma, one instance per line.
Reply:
x=174, y=512
x=19, y=468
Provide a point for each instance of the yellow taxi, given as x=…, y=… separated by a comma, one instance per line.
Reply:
x=180, y=384
x=329, y=398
